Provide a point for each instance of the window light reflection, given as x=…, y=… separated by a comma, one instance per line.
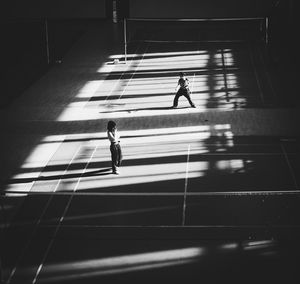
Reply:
x=119, y=264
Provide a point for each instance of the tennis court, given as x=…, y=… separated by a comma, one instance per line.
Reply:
x=194, y=183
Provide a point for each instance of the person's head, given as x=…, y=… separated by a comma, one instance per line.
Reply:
x=111, y=125
x=181, y=74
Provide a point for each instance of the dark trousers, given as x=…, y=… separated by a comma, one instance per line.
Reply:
x=182, y=92
x=116, y=155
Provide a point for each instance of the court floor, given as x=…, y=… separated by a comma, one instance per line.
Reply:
x=198, y=187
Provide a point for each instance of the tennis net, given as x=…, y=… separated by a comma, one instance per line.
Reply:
x=195, y=30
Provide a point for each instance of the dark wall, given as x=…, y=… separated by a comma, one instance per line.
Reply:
x=23, y=37
x=198, y=8
x=26, y=58
x=53, y=8
x=284, y=31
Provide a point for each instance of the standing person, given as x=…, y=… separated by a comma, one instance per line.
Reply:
x=115, y=148
x=182, y=89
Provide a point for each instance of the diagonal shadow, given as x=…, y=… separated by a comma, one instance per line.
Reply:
x=101, y=172
x=141, y=109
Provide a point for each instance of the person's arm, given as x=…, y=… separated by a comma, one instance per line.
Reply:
x=187, y=82
x=117, y=136
x=111, y=137
x=177, y=87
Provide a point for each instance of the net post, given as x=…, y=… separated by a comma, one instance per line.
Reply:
x=47, y=41
x=266, y=30
x=125, y=41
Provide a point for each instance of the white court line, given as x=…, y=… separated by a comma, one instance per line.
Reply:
x=193, y=83
x=21, y=255
x=185, y=185
x=274, y=93
x=290, y=167
x=175, y=226
x=288, y=140
x=121, y=75
x=256, y=75
x=237, y=154
x=93, y=136
x=133, y=73
x=105, y=74
x=45, y=163
x=61, y=219
x=192, y=88
x=224, y=70
x=203, y=193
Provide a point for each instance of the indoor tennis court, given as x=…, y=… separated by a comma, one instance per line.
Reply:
x=201, y=191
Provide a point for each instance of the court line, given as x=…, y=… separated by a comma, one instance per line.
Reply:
x=133, y=73
x=155, y=155
x=192, y=88
x=238, y=154
x=34, y=181
x=290, y=166
x=163, y=71
x=192, y=41
x=202, y=193
x=288, y=140
x=267, y=226
x=224, y=69
x=121, y=74
x=193, y=83
x=256, y=75
x=21, y=255
x=197, y=145
x=195, y=19
x=128, y=138
x=221, y=154
x=61, y=219
x=274, y=93
x=185, y=185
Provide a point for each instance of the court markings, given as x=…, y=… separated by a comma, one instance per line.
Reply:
x=256, y=75
x=240, y=192
x=145, y=194
x=124, y=100
x=107, y=101
x=60, y=221
x=184, y=194
x=74, y=226
x=290, y=166
x=186, y=185
x=141, y=65
x=138, y=169
x=140, y=102
x=34, y=230
x=134, y=72
x=274, y=93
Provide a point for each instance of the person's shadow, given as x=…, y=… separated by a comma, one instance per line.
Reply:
x=141, y=109
x=101, y=172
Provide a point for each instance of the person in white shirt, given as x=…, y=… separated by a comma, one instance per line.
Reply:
x=183, y=89
x=115, y=148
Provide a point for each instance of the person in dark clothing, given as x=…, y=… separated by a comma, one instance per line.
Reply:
x=182, y=89
x=115, y=148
